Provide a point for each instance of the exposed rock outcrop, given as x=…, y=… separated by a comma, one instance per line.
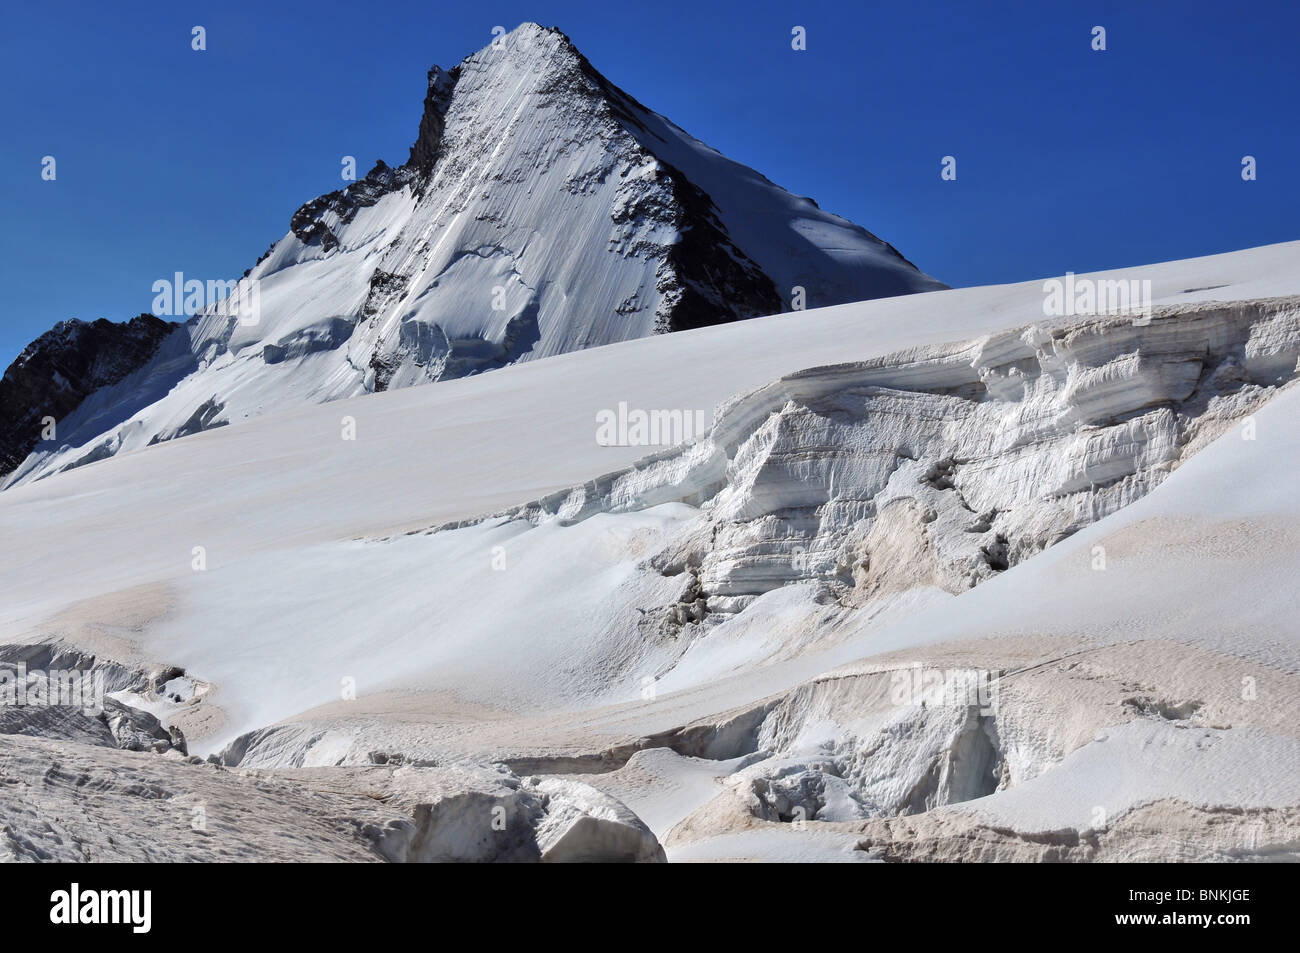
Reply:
x=63, y=366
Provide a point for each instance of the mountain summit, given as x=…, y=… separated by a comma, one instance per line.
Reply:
x=541, y=210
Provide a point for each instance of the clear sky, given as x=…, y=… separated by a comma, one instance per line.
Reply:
x=1067, y=159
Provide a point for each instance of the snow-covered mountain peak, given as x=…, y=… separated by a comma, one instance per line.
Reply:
x=541, y=210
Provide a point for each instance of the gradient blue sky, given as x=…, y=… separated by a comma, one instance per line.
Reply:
x=171, y=160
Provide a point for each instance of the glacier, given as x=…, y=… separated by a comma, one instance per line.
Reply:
x=572, y=493
x=694, y=653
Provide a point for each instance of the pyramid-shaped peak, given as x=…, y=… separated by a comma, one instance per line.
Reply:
x=528, y=41
x=542, y=210
x=530, y=60
x=528, y=32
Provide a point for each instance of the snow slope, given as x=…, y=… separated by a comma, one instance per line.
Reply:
x=474, y=446
x=542, y=211
x=537, y=640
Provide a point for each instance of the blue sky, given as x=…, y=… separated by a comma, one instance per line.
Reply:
x=1067, y=159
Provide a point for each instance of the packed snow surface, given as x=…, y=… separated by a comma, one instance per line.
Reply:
x=1097, y=512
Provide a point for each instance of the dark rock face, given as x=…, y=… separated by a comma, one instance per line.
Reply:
x=428, y=144
x=307, y=223
x=61, y=368
x=717, y=282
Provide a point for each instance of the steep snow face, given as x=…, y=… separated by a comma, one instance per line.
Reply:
x=541, y=211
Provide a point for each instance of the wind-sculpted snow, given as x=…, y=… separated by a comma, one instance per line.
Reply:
x=942, y=466
x=542, y=211
x=829, y=496
x=737, y=639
